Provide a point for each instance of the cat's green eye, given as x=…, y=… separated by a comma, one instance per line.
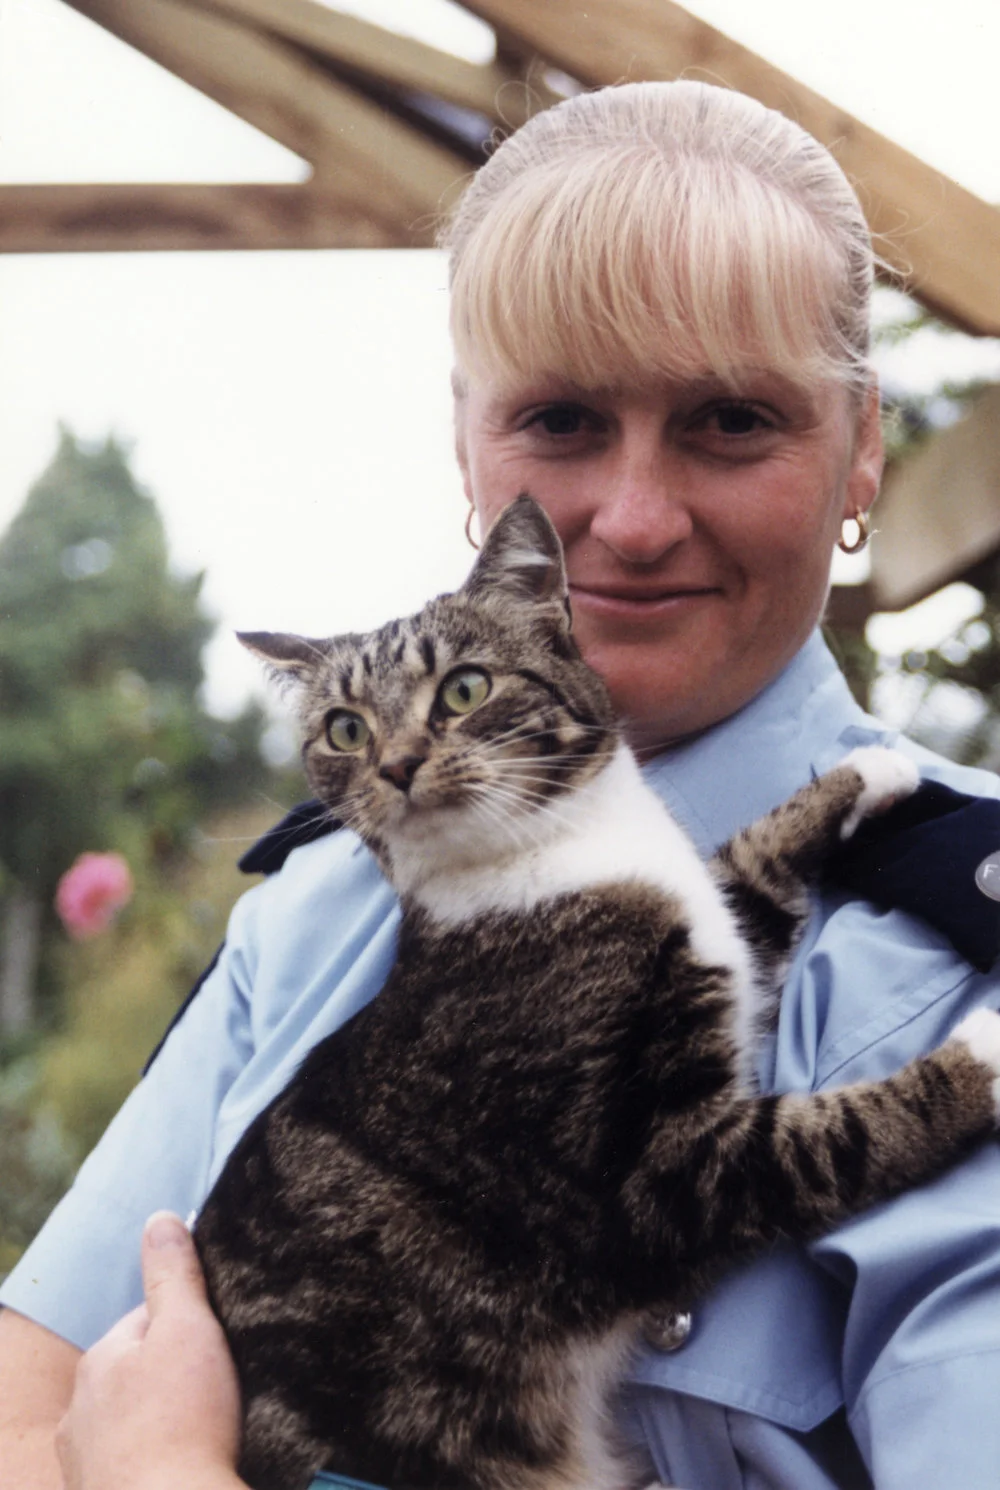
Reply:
x=347, y=731
x=464, y=690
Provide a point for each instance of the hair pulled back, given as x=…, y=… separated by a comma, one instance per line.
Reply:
x=660, y=230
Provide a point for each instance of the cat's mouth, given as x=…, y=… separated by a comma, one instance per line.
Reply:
x=423, y=799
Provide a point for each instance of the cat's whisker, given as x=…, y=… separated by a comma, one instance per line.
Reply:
x=543, y=794
x=525, y=730
x=279, y=832
x=563, y=759
x=522, y=812
x=509, y=812
x=524, y=786
x=518, y=733
x=500, y=822
x=519, y=776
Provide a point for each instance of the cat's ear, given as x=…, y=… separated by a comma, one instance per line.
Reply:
x=291, y=659
x=521, y=557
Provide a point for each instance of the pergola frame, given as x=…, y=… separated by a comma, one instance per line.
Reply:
x=391, y=129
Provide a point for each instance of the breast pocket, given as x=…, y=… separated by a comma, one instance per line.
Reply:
x=766, y=1341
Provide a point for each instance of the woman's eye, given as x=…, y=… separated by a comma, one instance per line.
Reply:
x=346, y=731
x=559, y=419
x=464, y=691
x=737, y=419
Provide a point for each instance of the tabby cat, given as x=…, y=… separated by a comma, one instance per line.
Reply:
x=434, y=1252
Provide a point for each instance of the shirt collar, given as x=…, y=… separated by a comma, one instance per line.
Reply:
x=733, y=773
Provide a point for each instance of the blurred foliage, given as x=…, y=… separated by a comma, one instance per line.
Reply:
x=947, y=696
x=857, y=660
x=104, y=744
x=123, y=988
x=103, y=740
x=36, y=1163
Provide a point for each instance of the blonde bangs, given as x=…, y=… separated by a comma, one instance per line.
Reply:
x=617, y=266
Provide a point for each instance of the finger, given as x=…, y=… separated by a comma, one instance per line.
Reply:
x=170, y=1266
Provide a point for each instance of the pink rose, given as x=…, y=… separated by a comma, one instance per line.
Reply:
x=92, y=892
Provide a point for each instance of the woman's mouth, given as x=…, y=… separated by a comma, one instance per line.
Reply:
x=638, y=600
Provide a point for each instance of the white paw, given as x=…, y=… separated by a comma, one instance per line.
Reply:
x=889, y=776
x=980, y=1031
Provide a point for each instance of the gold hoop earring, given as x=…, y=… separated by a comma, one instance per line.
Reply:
x=862, y=522
x=468, y=527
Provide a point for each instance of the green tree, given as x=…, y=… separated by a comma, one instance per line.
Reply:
x=103, y=740
x=954, y=687
x=951, y=690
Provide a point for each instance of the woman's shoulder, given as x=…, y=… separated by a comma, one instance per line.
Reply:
x=322, y=900
x=973, y=780
x=314, y=870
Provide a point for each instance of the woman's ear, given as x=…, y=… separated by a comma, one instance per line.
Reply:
x=867, y=456
x=460, y=407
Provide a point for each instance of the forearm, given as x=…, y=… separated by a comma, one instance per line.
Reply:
x=28, y=1456
x=190, y=1477
x=36, y=1382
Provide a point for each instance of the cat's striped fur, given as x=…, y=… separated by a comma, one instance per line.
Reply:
x=434, y=1251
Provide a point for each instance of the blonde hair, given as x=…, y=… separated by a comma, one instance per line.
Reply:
x=660, y=229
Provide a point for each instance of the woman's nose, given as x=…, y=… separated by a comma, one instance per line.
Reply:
x=642, y=512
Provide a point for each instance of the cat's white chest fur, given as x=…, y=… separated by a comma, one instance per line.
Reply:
x=612, y=830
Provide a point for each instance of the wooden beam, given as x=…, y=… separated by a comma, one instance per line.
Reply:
x=351, y=143
x=499, y=92
x=118, y=218
x=942, y=240
x=939, y=512
x=849, y=606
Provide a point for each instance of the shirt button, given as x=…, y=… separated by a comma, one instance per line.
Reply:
x=988, y=876
x=666, y=1331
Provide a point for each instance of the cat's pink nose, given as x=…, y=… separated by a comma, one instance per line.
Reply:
x=402, y=770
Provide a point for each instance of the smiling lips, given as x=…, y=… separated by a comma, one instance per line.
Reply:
x=637, y=601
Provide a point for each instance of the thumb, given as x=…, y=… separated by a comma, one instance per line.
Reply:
x=171, y=1272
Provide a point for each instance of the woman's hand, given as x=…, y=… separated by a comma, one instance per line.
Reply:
x=156, y=1402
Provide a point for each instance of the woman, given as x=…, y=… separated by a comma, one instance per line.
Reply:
x=660, y=311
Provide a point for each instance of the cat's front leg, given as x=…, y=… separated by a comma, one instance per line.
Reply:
x=798, y=836
x=766, y=869
x=798, y=1165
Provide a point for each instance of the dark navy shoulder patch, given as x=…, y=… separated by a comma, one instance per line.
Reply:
x=304, y=824
x=924, y=856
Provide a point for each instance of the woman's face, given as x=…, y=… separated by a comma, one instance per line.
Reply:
x=698, y=526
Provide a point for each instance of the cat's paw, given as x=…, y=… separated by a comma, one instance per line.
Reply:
x=889, y=776
x=980, y=1032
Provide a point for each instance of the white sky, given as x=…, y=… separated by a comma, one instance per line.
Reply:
x=290, y=412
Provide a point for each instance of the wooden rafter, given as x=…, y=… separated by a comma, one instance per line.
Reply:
x=351, y=143
x=340, y=93
x=938, y=516
x=504, y=94
x=943, y=240
x=117, y=217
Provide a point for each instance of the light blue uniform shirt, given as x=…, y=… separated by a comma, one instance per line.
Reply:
x=872, y=1356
